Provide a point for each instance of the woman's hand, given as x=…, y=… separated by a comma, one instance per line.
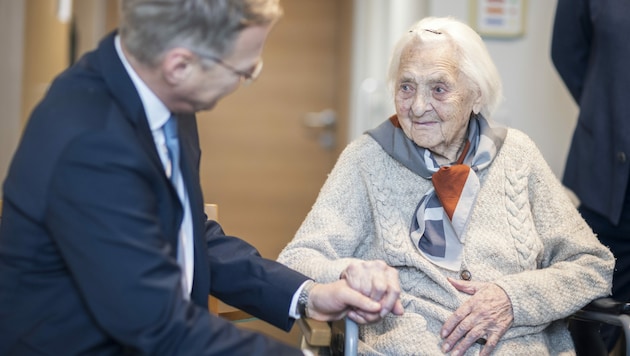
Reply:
x=487, y=315
x=379, y=282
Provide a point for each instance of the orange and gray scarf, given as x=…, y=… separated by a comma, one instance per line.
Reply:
x=437, y=226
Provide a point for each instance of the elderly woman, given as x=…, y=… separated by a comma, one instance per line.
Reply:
x=490, y=251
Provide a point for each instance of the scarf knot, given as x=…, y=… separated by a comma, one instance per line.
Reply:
x=449, y=183
x=438, y=224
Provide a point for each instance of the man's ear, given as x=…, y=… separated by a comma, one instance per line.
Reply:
x=177, y=65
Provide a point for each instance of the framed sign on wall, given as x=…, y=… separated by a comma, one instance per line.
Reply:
x=499, y=18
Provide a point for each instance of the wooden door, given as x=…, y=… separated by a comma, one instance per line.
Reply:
x=259, y=163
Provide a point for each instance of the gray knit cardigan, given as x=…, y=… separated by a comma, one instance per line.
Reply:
x=524, y=234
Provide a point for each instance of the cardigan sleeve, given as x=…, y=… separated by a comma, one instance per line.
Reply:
x=573, y=268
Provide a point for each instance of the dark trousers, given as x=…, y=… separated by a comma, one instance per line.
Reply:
x=617, y=238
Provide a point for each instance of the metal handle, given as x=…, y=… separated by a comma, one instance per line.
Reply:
x=320, y=120
x=352, y=338
x=323, y=124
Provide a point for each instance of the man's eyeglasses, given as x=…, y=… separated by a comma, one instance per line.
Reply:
x=245, y=77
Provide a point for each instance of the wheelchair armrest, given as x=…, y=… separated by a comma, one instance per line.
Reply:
x=316, y=333
x=608, y=306
x=608, y=311
x=337, y=338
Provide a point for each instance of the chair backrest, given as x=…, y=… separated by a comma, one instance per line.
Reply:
x=316, y=333
x=212, y=211
x=339, y=337
x=342, y=338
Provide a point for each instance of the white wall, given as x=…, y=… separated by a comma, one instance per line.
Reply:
x=377, y=26
x=536, y=101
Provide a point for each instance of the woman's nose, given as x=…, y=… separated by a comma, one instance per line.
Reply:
x=421, y=104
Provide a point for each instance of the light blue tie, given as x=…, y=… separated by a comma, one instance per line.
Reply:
x=172, y=144
x=184, y=247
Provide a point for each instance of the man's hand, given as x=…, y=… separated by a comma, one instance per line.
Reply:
x=366, y=292
x=333, y=301
x=487, y=315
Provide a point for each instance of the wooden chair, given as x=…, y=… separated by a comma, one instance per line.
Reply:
x=317, y=335
x=334, y=339
x=212, y=212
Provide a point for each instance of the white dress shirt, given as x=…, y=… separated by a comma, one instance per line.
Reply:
x=157, y=114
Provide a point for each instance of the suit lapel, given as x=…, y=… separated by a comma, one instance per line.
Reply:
x=126, y=96
x=122, y=89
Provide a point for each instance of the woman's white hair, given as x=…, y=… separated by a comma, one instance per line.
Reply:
x=474, y=60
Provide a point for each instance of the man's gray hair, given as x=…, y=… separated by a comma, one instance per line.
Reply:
x=473, y=57
x=149, y=28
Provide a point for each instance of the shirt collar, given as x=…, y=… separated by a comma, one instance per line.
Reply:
x=157, y=113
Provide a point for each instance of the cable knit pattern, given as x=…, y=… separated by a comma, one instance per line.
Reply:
x=523, y=234
x=517, y=205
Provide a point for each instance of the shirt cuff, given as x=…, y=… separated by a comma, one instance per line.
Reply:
x=293, y=310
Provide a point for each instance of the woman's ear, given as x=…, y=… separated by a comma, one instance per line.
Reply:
x=177, y=65
x=477, y=104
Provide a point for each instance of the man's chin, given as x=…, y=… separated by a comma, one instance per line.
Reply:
x=208, y=106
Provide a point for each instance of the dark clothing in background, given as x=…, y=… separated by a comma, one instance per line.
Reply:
x=591, y=51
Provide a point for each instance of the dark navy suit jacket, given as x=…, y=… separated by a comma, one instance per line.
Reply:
x=590, y=50
x=88, y=235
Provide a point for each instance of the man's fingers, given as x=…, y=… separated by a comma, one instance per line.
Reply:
x=366, y=317
x=370, y=310
x=356, y=317
x=359, y=301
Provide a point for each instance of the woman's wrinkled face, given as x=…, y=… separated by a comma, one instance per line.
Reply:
x=433, y=99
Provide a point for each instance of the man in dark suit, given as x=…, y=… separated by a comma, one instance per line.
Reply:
x=591, y=51
x=104, y=247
